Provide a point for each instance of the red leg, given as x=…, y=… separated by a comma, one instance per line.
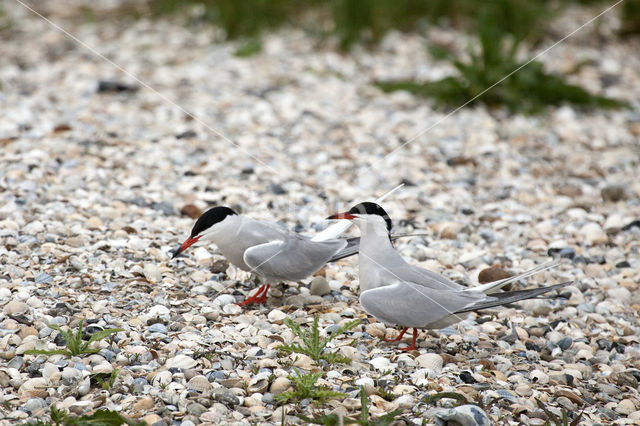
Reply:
x=404, y=330
x=413, y=342
x=259, y=297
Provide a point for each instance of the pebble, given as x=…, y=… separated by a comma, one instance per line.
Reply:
x=15, y=308
x=279, y=385
x=276, y=316
x=181, y=362
x=152, y=273
x=430, y=361
x=320, y=286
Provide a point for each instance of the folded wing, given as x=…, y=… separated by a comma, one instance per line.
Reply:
x=291, y=259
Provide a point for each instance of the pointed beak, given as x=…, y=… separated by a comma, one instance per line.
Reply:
x=188, y=243
x=348, y=216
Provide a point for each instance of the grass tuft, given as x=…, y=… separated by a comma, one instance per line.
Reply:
x=363, y=420
x=313, y=345
x=100, y=417
x=75, y=346
x=305, y=388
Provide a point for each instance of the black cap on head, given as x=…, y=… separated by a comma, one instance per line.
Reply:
x=210, y=218
x=372, y=208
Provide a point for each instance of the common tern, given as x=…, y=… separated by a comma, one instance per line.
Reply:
x=395, y=292
x=268, y=250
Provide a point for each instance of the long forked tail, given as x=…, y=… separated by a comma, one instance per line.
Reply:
x=493, y=287
x=353, y=246
x=499, y=299
x=341, y=226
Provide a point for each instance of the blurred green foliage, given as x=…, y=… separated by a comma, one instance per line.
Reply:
x=501, y=26
x=529, y=89
x=630, y=17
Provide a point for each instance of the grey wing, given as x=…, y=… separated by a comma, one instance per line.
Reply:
x=412, y=305
x=395, y=266
x=291, y=259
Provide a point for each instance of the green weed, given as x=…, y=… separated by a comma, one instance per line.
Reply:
x=363, y=420
x=106, y=381
x=75, y=346
x=305, y=388
x=500, y=32
x=98, y=418
x=313, y=345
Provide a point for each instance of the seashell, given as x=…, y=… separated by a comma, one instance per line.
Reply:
x=259, y=383
x=199, y=383
x=430, y=361
x=162, y=378
x=465, y=415
x=279, y=385
x=103, y=368
x=182, y=362
x=33, y=388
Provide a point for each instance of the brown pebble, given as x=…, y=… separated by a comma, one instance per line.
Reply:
x=191, y=211
x=448, y=359
x=494, y=273
x=27, y=331
x=61, y=128
x=143, y=404
x=486, y=364
x=613, y=193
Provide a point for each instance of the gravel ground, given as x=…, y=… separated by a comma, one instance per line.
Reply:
x=97, y=183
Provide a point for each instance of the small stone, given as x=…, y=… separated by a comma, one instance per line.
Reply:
x=152, y=273
x=225, y=396
x=151, y=419
x=143, y=404
x=494, y=273
x=625, y=407
x=191, y=210
x=279, y=385
x=196, y=409
x=224, y=300
x=320, y=286
x=593, y=233
x=449, y=230
x=613, y=193
x=15, y=308
x=430, y=361
x=276, y=316
x=95, y=223
x=182, y=362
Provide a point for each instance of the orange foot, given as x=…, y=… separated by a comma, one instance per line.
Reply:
x=259, y=297
x=413, y=341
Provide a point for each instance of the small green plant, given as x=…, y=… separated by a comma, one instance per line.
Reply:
x=558, y=421
x=305, y=388
x=74, y=343
x=363, y=420
x=250, y=47
x=106, y=381
x=98, y=418
x=630, y=17
x=313, y=345
x=530, y=89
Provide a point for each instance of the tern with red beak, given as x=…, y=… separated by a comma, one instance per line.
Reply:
x=397, y=293
x=273, y=253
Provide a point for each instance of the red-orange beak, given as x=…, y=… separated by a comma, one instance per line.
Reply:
x=341, y=216
x=188, y=243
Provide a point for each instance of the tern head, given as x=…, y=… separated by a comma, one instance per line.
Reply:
x=367, y=215
x=205, y=226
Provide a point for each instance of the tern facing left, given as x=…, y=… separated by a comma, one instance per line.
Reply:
x=398, y=293
x=271, y=252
